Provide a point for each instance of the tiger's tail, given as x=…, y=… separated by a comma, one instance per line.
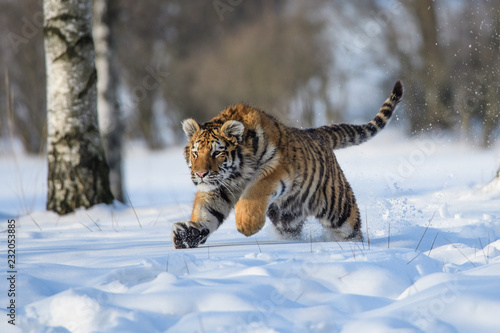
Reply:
x=346, y=135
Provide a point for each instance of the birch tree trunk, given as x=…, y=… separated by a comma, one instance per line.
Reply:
x=78, y=172
x=110, y=117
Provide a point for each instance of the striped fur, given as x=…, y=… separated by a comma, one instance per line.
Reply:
x=247, y=160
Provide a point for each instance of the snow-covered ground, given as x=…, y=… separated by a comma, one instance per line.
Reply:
x=430, y=261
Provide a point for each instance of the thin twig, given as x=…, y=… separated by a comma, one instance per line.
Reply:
x=367, y=232
x=353, y=249
x=310, y=240
x=97, y=225
x=185, y=264
x=113, y=221
x=168, y=255
x=85, y=226
x=159, y=214
x=415, y=257
x=359, y=248
x=256, y=241
x=432, y=246
x=489, y=242
x=33, y=219
x=343, y=276
x=389, y=236
x=484, y=253
x=425, y=231
x=475, y=248
x=338, y=243
x=137, y=217
x=461, y=252
x=182, y=209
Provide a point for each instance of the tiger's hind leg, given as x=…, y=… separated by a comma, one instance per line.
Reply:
x=344, y=228
x=287, y=224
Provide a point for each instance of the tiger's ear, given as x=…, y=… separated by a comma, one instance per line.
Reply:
x=190, y=126
x=233, y=128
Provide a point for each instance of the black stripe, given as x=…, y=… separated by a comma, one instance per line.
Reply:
x=290, y=201
x=379, y=121
x=331, y=132
x=271, y=157
x=234, y=175
x=326, y=198
x=360, y=131
x=340, y=196
x=310, y=178
x=223, y=195
x=346, y=212
x=351, y=133
x=334, y=196
x=218, y=215
x=279, y=132
x=240, y=156
x=387, y=113
x=372, y=129
x=252, y=135
x=266, y=145
x=320, y=162
x=283, y=188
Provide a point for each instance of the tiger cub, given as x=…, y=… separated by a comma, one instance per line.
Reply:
x=247, y=159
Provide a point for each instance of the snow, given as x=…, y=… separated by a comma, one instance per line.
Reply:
x=432, y=263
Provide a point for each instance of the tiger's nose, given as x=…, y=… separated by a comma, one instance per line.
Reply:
x=201, y=174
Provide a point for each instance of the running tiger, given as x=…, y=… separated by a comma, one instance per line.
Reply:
x=247, y=159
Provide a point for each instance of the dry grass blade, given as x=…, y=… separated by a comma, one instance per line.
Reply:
x=338, y=243
x=367, y=232
x=343, y=276
x=113, y=221
x=85, y=226
x=389, y=236
x=456, y=247
x=258, y=245
x=415, y=257
x=362, y=252
x=486, y=260
x=33, y=220
x=353, y=249
x=432, y=246
x=135, y=213
x=185, y=264
x=97, y=225
x=425, y=231
x=310, y=240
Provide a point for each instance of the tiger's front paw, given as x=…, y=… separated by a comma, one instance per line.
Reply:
x=249, y=225
x=248, y=230
x=189, y=234
x=249, y=219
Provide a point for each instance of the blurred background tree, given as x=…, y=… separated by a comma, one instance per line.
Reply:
x=309, y=63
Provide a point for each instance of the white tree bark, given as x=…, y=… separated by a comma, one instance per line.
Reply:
x=110, y=117
x=78, y=172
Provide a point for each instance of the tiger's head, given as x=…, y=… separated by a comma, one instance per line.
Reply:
x=212, y=152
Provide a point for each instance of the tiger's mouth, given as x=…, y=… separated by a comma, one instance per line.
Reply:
x=210, y=182
x=204, y=185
